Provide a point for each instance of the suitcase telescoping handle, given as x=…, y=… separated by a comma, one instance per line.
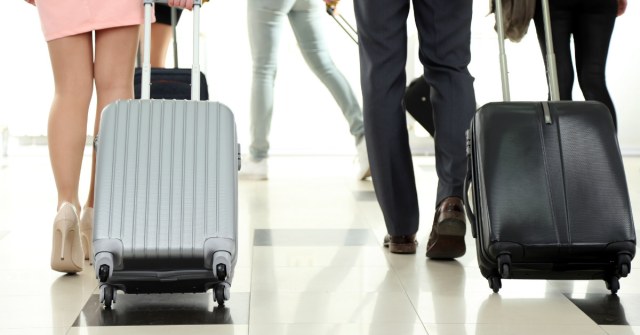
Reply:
x=352, y=32
x=146, y=60
x=174, y=32
x=552, y=73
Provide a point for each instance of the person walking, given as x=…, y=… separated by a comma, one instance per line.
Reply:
x=78, y=62
x=590, y=23
x=444, y=31
x=266, y=20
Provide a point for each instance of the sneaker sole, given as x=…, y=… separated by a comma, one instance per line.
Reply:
x=363, y=175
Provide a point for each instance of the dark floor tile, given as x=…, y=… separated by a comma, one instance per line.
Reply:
x=165, y=309
x=314, y=237
x=610, y=309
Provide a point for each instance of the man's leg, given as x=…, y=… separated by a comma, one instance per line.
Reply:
x=383, y=52
x=444, y=29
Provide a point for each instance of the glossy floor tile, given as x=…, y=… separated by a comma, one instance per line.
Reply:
x=310, y=262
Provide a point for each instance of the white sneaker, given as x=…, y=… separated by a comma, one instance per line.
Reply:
x=253, y=170
x=363, y=159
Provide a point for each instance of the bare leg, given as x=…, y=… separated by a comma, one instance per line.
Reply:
x=72, y=64
x=160, y=39
x=114, y=64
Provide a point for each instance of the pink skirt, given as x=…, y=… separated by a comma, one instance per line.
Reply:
x=61, y=18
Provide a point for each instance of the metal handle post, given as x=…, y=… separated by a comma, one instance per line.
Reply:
x=552, y=72
x=146, y=61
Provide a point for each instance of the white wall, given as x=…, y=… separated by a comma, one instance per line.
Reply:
x=306, y=119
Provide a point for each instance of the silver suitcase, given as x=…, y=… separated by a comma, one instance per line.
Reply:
x=165, y=215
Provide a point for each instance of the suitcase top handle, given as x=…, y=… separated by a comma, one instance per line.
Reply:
x=146, y=60
x=552, y=71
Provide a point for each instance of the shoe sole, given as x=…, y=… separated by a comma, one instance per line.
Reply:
x=401, y=248
x=365, y=174
x=450, y=243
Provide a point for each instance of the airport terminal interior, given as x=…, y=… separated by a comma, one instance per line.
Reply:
x=310, y=257
x=310, y=261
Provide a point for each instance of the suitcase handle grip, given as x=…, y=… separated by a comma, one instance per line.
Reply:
x=146, y=60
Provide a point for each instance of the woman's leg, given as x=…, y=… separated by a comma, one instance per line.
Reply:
x=306, y=22
x=114, y=64
x=592, y=36
x=161, y=35
x=72, y=64
x=265, y=19
x=562, y=26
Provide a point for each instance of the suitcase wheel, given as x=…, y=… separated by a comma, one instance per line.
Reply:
x=504, y=265
x=107, y=295
x=495, y=283
x=613, y=284
x=623, y=266
x=221, y=293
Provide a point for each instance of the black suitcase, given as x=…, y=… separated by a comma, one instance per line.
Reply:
x=549, y=193
x=170, y=83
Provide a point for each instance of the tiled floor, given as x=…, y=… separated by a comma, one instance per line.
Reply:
x=310, y=262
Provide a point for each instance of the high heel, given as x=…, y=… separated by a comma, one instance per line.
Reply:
x=66, y=249
x=86, y=233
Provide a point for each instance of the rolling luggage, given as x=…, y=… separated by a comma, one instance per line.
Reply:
x=172, y=83
x=165, y=215
x=549, y=193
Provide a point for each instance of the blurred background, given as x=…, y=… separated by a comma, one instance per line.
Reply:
x=306, y=119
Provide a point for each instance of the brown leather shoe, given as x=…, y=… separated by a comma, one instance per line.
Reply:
x=449, y=226
x=403, y=244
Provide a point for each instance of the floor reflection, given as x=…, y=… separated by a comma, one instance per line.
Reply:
x=607, y=309
x=165, y=309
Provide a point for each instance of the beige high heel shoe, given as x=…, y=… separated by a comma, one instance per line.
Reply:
x=86, y=233
x=66, y=249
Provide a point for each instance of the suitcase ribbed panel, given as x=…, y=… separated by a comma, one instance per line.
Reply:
x=597, y=196
x=166, y=177
x=519, y=204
